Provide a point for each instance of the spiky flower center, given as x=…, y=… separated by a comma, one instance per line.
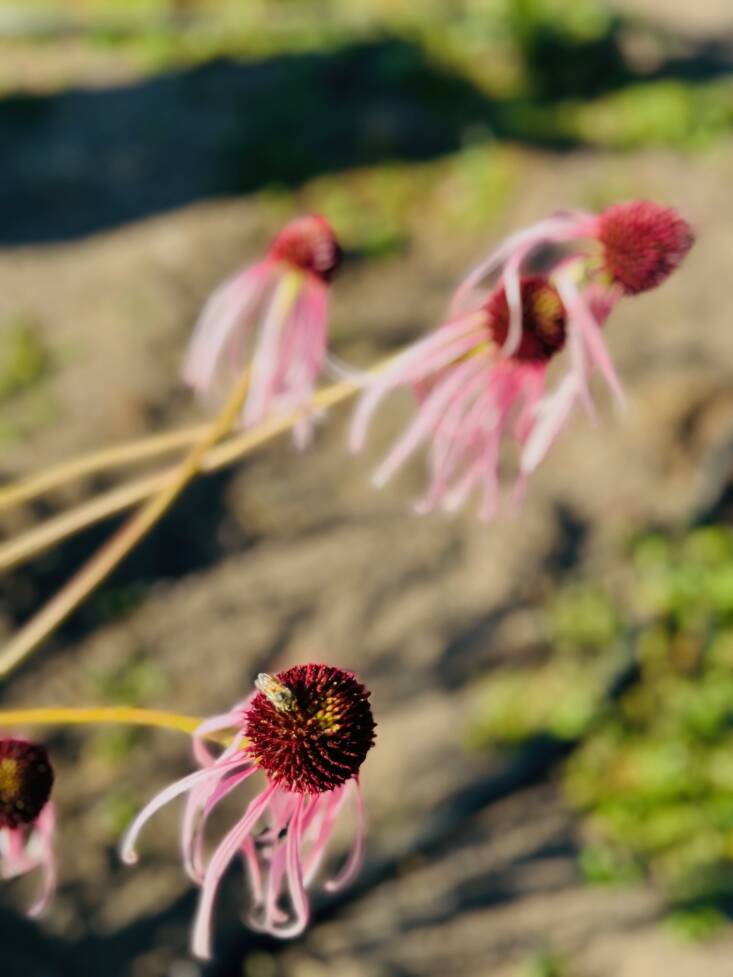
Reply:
x=308, y=243
x=643, y=243
x=26, y=778
x=310, y=727
x=543, y=319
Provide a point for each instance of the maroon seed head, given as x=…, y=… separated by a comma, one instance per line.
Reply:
x=543, y=319
x=310, y=727
x=309, y=244
x=26, y=779
x=643, y=243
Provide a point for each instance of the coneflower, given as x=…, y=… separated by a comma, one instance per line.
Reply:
x=308, y=730
x=480, y=378
x=27, y=817
x=271, y=318
x=627, y=249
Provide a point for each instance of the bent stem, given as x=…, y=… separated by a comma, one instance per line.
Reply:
x=42, y=537
x=61, y=716
x=104, y=715
x=114, y=551
x=116, y=457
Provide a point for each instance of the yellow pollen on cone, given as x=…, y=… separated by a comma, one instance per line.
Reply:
x=10, y=779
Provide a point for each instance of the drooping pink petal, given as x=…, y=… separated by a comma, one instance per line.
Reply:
x=533, y=389
x=328, y=810
x=228, y=848
x=214, y=724
x=227, y=313
x=454, y=437
x=200, y=803
x=266, y=356
x=208, y=775
x=552, y=415
x=272, y=916
x=580, y=319
x=44, y=831
x=265, y=916
x=512, y=290
x=427, y=416
x=294, y=870
x=448, y=343
x=553, y=230
x=452, y=431
x=356, y=855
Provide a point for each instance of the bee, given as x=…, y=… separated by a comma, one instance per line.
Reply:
x=278, y=694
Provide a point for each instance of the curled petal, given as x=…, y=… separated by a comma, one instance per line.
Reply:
x=227, y=315
x=209, y=775
x=551, y=417
x=44, y=831
x=356, y=855
x=553, y=230
x=273, y=315
x=199, y=805
x=294, y=868
x=426, y=418
x=513, y=291
x=233, y=841
x=581, y=320
x=421, y=359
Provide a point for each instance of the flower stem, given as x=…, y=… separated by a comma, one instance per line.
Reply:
x=43, y=537
x=149, y=447
x=113, y=552
x=127, y=715
x=61, y=716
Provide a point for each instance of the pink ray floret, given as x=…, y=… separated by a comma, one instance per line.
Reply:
x=27, y=817
x=308, y=729
x=273, y=318
x=471, y=396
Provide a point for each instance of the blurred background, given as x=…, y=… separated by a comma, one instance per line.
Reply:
x=552, y=790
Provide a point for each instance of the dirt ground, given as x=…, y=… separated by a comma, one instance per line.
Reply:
x=286, y=558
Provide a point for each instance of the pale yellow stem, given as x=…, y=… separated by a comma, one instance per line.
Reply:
x=116, y=457
x=128, y=715
x=42, y=537
x=114, y=551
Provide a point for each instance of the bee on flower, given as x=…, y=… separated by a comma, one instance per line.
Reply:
x=480, y=378
x=307, y=730
x=270, y=318
x=27, y=818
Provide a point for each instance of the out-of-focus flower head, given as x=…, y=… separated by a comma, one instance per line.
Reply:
x=627, y=249
x=643, y=243
x=272, y=319
x=308, y=729
x=481, y=376
x=635, y=245
x=27, y=817
x=470, y=394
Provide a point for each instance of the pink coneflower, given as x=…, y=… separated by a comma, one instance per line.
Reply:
x=309, y=730
x=471, y=394
x=27, y=816
x=273, y=317
x=481, y=376
x=627, y=249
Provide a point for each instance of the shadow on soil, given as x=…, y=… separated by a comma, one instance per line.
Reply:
x=80, y=161
x=196, y=533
